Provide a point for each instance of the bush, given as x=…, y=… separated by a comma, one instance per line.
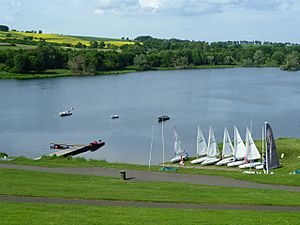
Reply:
x=3, y=155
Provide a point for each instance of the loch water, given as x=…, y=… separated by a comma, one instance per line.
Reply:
x=29, y=110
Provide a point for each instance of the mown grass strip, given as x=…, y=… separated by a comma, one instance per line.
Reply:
x=30, y=213
x=42, y=184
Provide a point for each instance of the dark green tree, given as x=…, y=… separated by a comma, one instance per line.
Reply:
x=292, y=62
x=4, y=28
x=141, y=62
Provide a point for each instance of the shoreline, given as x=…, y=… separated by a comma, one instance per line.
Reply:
x=57, y=73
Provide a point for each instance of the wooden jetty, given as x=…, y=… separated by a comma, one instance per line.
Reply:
x=66, y=150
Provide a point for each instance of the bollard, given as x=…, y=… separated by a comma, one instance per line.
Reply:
x=123, y=174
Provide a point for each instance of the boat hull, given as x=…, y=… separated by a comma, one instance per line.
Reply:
x=178, y=158
x=199, y=160
x=259, y=167
x=225, y=161
x=163, y=118
x=236, y=163
x=249, y=165
x=210, y=161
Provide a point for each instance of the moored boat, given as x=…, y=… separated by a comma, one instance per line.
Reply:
x=66, y=113
x=115, y=116
x=163, y=118
x=179, y=152
x=212, y=150
x=201, y=148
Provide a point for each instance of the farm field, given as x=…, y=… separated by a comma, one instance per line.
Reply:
x=62, y=39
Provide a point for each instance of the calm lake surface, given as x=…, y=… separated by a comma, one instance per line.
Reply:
x=29, y=111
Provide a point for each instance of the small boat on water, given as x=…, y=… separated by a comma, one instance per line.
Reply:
x=163, y=118
x=115, y=116
x=66, y=113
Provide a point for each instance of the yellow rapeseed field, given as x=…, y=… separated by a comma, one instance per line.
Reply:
x=58, y=38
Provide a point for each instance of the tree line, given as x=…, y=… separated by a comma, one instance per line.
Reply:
x=149, y=53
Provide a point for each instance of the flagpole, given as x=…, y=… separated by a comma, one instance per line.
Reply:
x=163, y=141
x=266, y=151
x=151, y=147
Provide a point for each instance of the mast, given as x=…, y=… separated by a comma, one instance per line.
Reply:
x=163, y=141
x=151, y=147
x=197, y=146
x=262, y=146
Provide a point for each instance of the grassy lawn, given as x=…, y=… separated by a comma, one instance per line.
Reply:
x=29, y=213
x=42, y=184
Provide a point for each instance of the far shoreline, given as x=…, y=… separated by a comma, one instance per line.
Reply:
x=57, y=73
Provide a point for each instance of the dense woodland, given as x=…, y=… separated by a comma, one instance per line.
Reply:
x=148, y=53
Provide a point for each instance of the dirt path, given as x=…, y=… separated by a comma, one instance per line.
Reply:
x=136, y=175
x=145, y=204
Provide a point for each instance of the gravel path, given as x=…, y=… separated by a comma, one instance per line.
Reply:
x=136, y=175
x=145, y=204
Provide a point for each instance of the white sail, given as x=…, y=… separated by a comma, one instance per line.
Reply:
x=212, y=149
x=228, y=149
x=178, y=149
x=252, y=152
x=201, y=144
x=239, y=146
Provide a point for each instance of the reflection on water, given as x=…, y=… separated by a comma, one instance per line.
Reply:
x=29, y=117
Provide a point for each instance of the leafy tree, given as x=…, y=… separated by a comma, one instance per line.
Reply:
x=292, y=62
x=94, y=44
x=141, y=62
x=229, y=60
x=4, y=28
x=180, y=62
x=83, y=63
x=278, y=57
x=101, y=44
x=259, y=58
x=21, y=62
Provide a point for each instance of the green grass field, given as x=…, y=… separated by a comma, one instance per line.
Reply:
x=51, y=185
x=29, y=213
x=42, y=184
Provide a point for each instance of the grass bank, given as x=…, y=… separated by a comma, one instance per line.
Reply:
x=290, y=147
x=55, y=74
x=43, y=184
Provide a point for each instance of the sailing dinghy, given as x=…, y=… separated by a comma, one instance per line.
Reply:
x=252, y=153
x=227, y=151
x=201, y=148
x=212, y=150
x=270, y=159
x=239, y=150
x=179, y=152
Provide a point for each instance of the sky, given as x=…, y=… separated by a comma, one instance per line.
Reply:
x=199, y=20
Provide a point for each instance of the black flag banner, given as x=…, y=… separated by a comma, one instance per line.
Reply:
x=271, y=152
